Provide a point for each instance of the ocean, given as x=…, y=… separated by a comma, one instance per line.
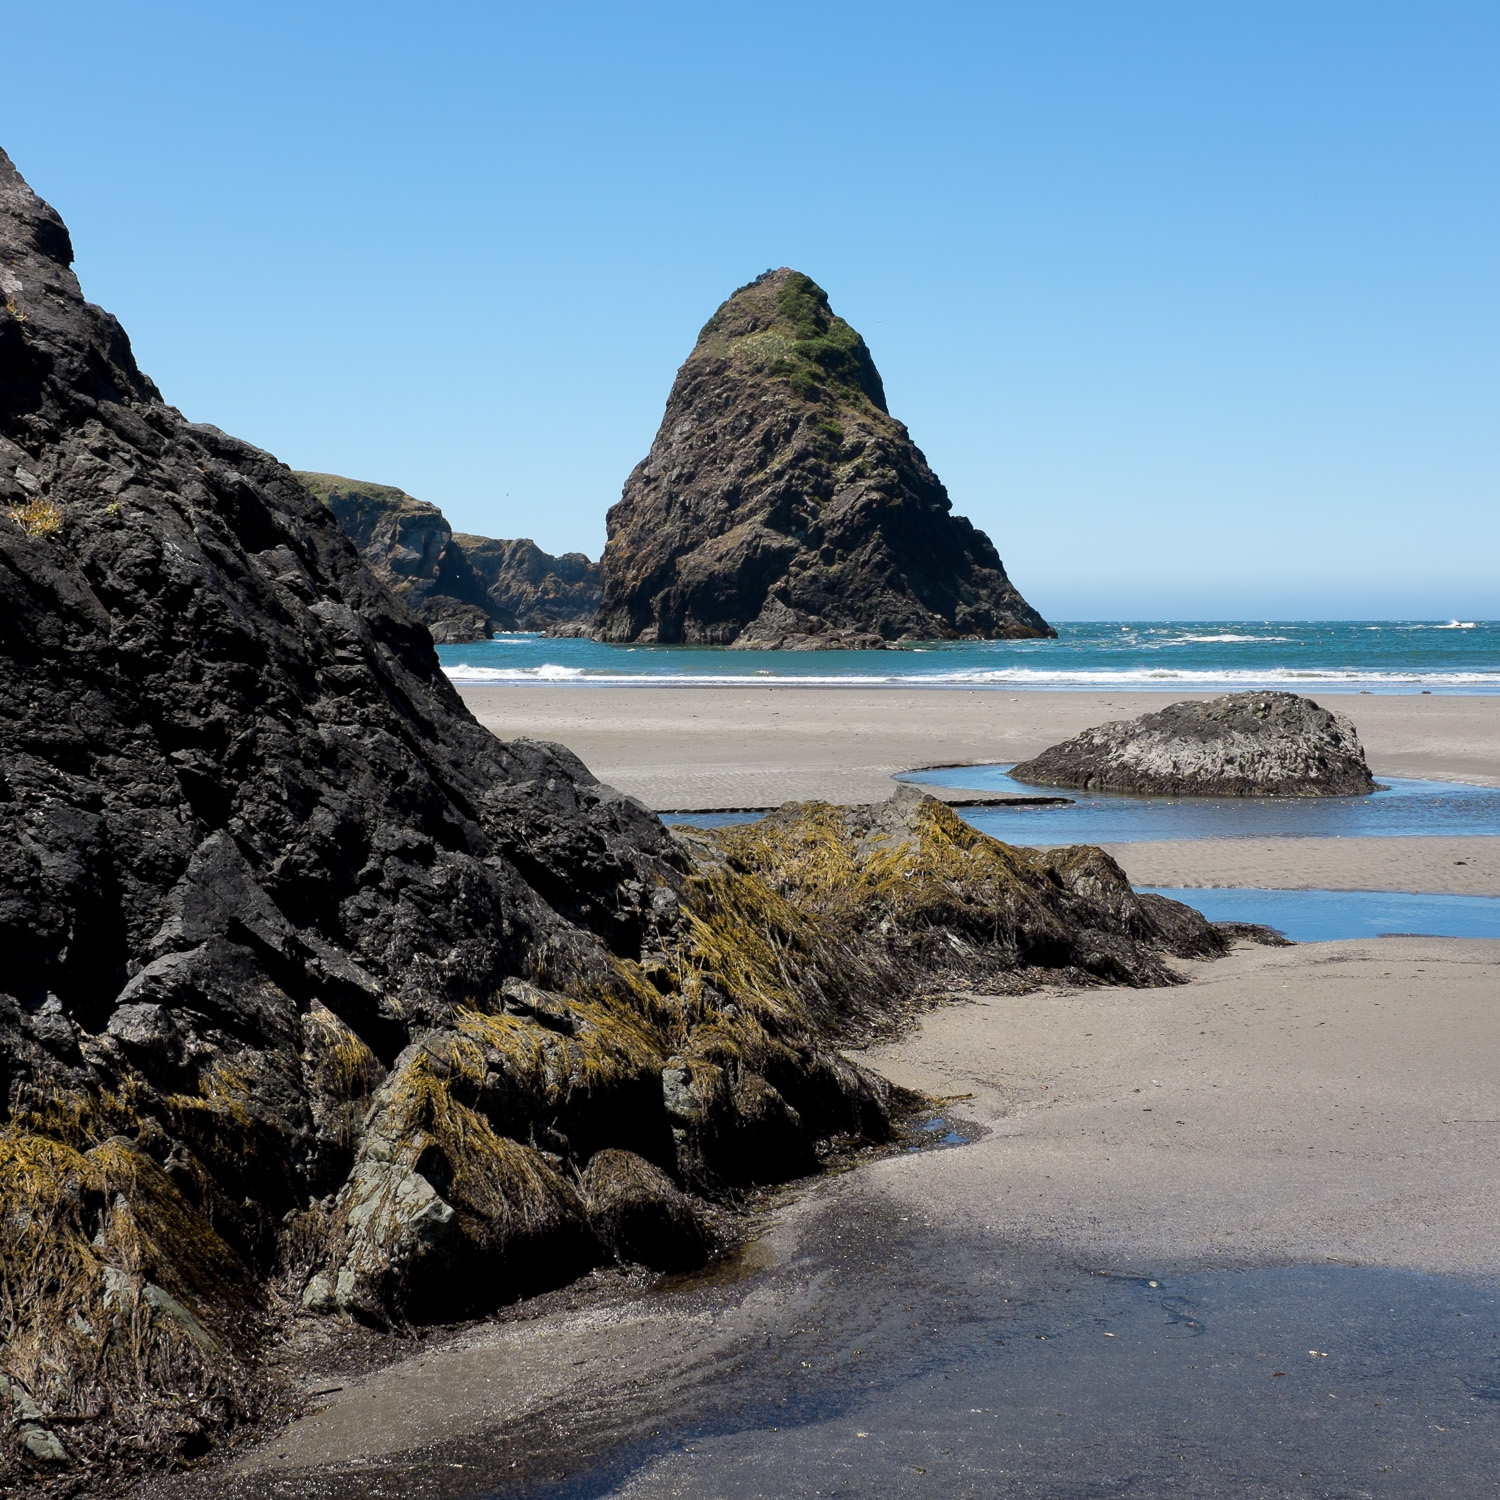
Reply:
x=1377, y=656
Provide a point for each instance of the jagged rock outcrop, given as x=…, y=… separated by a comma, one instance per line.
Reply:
x=530, y=588
x=782, y=506
x=266, y=893
x=1240, y=745
x=316, y=995
x=463, y=588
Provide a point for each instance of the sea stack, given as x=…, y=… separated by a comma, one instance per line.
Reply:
x=1240, y=745
x=783, y=507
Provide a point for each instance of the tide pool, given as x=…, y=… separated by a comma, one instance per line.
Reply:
x=1327, y=916
x=1402, y=808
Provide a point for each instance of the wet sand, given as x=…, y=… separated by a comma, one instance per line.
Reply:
x=1452, y=866
x=1149, y=1155
x=1326, y=1100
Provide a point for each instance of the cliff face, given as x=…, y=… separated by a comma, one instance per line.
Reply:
x=530, y=587
x=782, y=505
x=463, y=588
x=408, y=545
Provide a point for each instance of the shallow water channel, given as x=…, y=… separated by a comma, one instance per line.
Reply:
x=1325, y=916
x=1403, y=808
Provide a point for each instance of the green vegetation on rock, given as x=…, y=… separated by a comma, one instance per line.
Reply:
x=783, y=322
x=331, y=487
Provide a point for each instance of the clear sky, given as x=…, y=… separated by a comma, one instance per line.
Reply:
x=1192, y=306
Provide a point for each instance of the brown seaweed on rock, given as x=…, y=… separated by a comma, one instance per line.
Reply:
x=904, y=896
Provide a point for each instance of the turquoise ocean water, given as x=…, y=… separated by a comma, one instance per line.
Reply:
x=1378, y=656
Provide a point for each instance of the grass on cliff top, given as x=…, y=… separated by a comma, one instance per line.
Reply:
x=326, y=487
x=818, y=354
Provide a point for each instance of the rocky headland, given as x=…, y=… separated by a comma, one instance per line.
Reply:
x=782, y=506
x=528, y=589
x=322, y=1002
x=463, y=588
x=1259, y=744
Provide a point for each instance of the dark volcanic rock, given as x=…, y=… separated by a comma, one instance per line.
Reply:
x=1241, y=745
x=530, y=588
x=463, y=588
x=782, y=506
x=297, y=954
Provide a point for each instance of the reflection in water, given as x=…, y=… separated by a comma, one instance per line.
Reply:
x=1402, y=808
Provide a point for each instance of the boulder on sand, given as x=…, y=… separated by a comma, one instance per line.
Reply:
x=1240, y=745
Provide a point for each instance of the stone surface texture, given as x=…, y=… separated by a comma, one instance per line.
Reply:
x=782, y=506
x=463, y=588
x=1258, y=744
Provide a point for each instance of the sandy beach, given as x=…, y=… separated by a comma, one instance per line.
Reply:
x=697, y=748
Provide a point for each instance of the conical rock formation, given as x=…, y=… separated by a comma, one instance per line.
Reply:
x=782, y=506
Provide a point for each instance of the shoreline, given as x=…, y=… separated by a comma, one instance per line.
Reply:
x=735, y=748
x=1284, y=1108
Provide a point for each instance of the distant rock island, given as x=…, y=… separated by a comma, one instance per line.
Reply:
x=1240, y=745
x=463, y=588
x=783, y=507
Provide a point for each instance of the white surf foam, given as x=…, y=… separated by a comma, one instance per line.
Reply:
x=1015, y=677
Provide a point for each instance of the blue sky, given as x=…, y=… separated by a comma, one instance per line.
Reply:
x=1193, y=307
